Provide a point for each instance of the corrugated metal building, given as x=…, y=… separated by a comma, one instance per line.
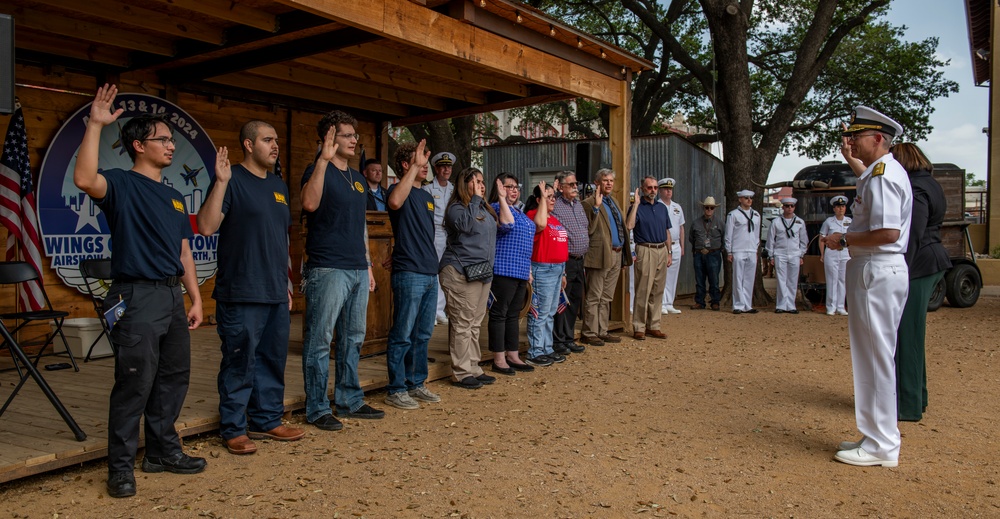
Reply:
x=697, y=172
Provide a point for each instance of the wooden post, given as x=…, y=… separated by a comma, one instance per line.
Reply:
x=993, y=153
x=620, y=143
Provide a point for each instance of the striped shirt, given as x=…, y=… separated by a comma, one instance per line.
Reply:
x=571, y=214
x=514, y=242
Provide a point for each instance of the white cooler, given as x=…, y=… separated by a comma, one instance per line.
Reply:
x=80, y=334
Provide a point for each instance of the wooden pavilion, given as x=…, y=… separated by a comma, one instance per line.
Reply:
x=287, y=62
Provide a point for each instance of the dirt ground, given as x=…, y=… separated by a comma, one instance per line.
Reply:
x=731, y=416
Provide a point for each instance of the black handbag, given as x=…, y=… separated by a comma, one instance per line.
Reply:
x=478, y=271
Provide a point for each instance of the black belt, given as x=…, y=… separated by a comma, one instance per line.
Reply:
x=653, y=245
x=707, y=251
x=576, y=257
x=171, y=281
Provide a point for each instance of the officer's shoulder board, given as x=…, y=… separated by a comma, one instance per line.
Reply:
x=879, y=169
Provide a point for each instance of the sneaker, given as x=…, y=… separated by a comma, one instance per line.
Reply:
x=441, y=319
x=424, y=395
x=557, y=358
x=365, y=412
x=179, y=463
x=830, y=312
x=860, y=458
x=121, y=484
x=540, y=361
x=327, y=422
x=841, y=312
x=401, y=400
x=672, y=310
x=485, y=379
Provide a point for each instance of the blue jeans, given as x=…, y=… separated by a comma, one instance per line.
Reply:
x=547, y=277
x=252, y=373
x=414, y=300
x=707, y=266
x=334, y=297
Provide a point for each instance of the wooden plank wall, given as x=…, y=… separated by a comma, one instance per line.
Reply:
x=49, y=98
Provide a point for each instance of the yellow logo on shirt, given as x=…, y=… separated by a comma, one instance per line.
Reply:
x=359, y=187
x=879, y=169
x=430, y=206
x=280, y=198
x=178, y=205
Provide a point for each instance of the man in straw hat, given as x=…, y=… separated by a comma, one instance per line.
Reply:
x=706, y=245
x=877, y=284
x=742, y=240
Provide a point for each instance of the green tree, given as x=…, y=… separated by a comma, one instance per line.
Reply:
x=972, y=181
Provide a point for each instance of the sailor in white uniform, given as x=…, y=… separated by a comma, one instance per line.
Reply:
x=742, y=241
x=835, y=261
x=786, y=246
x=877, y=283
x=441, y=189
x=676, y=215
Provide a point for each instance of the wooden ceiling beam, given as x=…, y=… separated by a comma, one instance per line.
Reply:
x=503, y=105
x=427, y=30
x=318, y=94
x=230, y=11
x=347, y=86
x=92, y=32
x=467, y=75
x=51, y=48
x=376, y=73
x=144, y=18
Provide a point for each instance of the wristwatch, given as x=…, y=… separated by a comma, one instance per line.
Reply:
x=843, y=241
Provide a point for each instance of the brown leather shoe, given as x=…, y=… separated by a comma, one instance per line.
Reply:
x=639, y=336
x=697, y=307
x=280, y=433
x=240, y=445
x=593, y=341
x=611, y=338
x=715, y=306
x=656, y=333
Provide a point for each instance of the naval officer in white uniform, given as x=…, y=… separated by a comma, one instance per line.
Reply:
x=441, y=189
x=877, y=283
x=742, y=241
x=676, y=215
x=786, y=246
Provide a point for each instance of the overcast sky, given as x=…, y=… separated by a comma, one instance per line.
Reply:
x=958, y=120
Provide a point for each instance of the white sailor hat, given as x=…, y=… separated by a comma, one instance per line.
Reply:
x=789, y=200
x=443, y=158
x=666, y=182
x=744, y=193
x=838, y=200
x=864, y=118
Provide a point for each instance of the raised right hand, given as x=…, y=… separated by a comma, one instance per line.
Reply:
x=598, y=198
x=223, y=172
x=329, y=149
x=100, y=109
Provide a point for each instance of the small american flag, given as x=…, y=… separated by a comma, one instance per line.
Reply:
x=17, y=208
x=563, y=302
x=533, y=309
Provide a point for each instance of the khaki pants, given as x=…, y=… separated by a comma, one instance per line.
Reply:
x=466, y=307
x=650, y=278
x=601, y=285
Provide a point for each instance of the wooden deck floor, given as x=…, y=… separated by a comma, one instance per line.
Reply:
x=33, y=439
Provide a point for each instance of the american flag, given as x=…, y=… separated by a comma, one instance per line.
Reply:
x=17, y=208
x=563, y=302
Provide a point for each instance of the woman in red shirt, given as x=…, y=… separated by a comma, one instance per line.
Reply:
x=548, y=266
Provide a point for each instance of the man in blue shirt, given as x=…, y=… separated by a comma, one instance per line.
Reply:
x=372, y=171
x=151, y=230
x=414, y=280
x=338, y=275
x=248, y=205
x=649, y=222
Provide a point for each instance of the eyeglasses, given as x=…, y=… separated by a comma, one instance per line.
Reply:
x=787, y=205
x=349, y=136
x=857, y=136
x=512, y=186
x=163, y=140
x=551, y=197
x=710, y=209
x=571, y=184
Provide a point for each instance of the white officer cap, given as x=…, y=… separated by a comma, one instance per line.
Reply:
x=838, y=200
x=666, y=182
x=746, y=192
x=865, y=118
x=789, y=200
x=443, y=158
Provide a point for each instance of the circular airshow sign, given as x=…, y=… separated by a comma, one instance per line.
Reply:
x=72, y=226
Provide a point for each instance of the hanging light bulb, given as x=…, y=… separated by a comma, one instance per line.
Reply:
x=579, y=43
x=603, y=55
x=552, y=30
x=519, y=19
x=482, y=3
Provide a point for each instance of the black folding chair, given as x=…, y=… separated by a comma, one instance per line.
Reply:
x=97, y=278
x=16, y=272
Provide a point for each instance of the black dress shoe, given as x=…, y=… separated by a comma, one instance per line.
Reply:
x=179, y=463
x=328, y=423
x=468, y=383
x=778, y=311
x=365, y=412
x=750, y=311
x=576, y=348
x=561, y=349
x=503, y=371
x=121, y=484
x=737, y=311
x=485, y=379
x=520, y=366
x=792, y=311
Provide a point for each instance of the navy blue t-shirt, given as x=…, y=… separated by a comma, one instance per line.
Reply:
x=148, y=221
x=253, y=240
x=337, y=227
x=413, y=230
x=651, y=222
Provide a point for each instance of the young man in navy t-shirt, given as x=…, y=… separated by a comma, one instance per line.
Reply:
x=248, y=205
x=338, y=275
x=150, y=230
x=414, y=280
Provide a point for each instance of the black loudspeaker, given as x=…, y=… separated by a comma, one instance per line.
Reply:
x=588, y=161
x=6, y=64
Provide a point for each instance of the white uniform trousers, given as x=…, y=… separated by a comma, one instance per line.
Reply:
x=786, y=269
x=744, y=270
x=835, y=269
x=877, y=286
x=670, y=289
x=440, y=242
